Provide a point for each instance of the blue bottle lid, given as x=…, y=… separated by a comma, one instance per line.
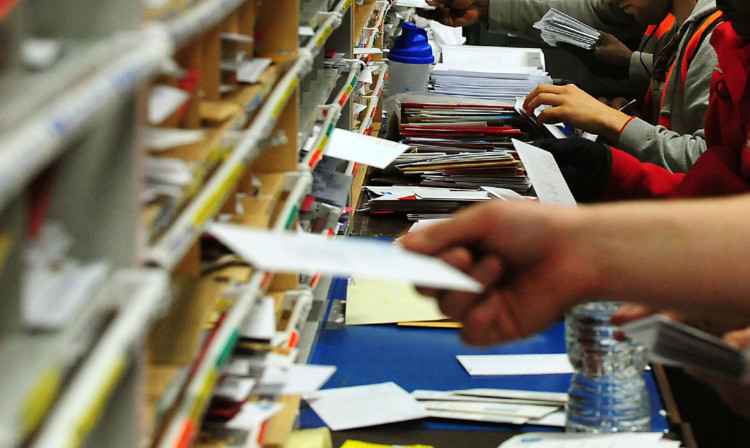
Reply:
x=411, y=46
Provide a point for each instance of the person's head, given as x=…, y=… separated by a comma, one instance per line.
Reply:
x=738, y=13
x=645, y=12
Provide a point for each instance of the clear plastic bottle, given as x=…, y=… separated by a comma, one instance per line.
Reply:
x=607, y=392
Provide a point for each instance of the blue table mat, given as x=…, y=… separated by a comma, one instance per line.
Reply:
x=425, y=358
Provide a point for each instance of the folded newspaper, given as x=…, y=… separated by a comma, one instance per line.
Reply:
x=558, y=27
x=678, y=344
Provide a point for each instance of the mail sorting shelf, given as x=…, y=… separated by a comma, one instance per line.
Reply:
x=425, y=358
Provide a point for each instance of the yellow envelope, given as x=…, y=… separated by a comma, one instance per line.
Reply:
x=381, y=302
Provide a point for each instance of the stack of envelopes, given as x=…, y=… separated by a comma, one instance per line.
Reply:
x=462, y=145
x=517, y=407
x=678, y=344
x=452, y=128
x=500, y=73
x=419, y=200
x=470, y=170
x=556, y=26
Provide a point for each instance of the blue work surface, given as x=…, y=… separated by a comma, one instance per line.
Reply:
x=425, y=358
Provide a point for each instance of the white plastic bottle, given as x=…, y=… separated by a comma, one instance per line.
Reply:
x=607, y=392
x=410, y=59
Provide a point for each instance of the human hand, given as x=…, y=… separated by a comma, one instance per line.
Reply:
x=734, y=393
x=460, y=12
x=572, y=105
x=611, y=50
x=531, y=274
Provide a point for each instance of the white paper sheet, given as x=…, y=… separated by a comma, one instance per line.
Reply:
x=295, y=379
x=295, y=252
x=367, y=50
x=423, y=395
x=261, y=323
x=552, y=397
x=555, y=420
x=165, y=138
x=545, y=175
x=422, y=223
x=163, y=101
x=365, y=75
x=477, y=417
x=507, y=409
x=572, y=440
x=361, y=406
x=363, y=149
x=515, y=364
x=489, y=57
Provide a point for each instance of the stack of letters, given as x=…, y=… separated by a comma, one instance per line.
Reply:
x=557, y=27
x=500, y=73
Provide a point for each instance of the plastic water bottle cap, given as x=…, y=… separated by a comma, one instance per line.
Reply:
x=411, y=46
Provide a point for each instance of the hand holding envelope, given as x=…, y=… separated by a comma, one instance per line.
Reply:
x=368, y=258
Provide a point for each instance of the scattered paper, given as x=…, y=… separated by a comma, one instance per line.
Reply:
x=545, y=175
x=261, y=323
x=515, y=364
x=365, y=75
x=295, y=379
x=163, y=101
x=361, y=406
x=234, y=388
x=250, y=71
x=363, y=149
x=164, y=138
x=367, y=50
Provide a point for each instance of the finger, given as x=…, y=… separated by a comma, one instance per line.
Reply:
x=458, y=257
x=487, y=271
x=552, y=115
x=629, y=312
x=479, y=325
x=540, y=89
x=547, y=98
x=454, y=303
x=738, y=338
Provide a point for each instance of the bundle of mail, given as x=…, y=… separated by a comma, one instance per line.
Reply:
x=375, y=404
x=427, y=202
x=678, y=344
x=558, y=27
x=469, y=170
x=516, y=407
x=462, y=146
x=501, y=73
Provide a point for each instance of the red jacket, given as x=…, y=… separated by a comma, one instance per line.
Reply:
x=725, y=166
